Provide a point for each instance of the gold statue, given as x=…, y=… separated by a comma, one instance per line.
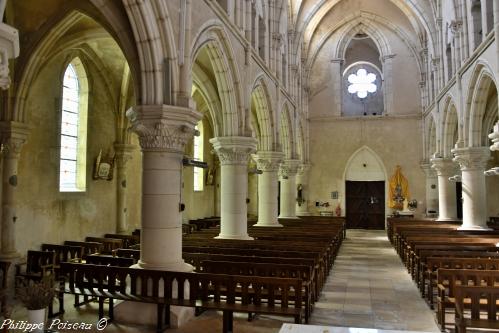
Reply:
x=398, y=190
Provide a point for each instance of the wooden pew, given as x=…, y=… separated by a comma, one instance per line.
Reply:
x=447, y=279
x=88, y=247
x=478, y=299
x=4, y=270
x=128, y=240
x=206, y=291
x=38, y=264
x=108, y=244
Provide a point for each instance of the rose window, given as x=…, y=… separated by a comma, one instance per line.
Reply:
x=362, y=83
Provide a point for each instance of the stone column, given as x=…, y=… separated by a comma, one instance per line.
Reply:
x=447, y=208
x=302, y=178
x=13, y=137
x=336, y=80
x=163, y=131
x=494, y=136
x=473, y=162
x=123, y=155
x=388, y=75
x=233, y=153
x=288, y=170
x=431, y=188
x=268, y=162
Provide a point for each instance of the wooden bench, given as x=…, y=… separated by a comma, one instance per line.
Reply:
x=88, y=247
x=206, y=291
x=266, y=270
x=108, y=244
x=478, y=299
x=38, y=264
x=128, y=240
x=447, y=279
x=4, y=270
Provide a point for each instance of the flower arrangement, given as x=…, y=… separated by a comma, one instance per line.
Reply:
x=36, y=295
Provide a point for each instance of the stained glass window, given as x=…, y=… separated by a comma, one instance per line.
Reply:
x=71, y=146
x=362, y=83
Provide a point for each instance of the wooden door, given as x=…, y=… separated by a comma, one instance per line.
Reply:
x=365, y=204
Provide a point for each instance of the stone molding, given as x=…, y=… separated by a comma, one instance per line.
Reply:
x=456, y=26
x=268, y=161
x=472, y=158
x=494, y=136
x=163, y=127
x=303, y=169
x=234, y=150
x=289, y=168
x=123, y=153
x=444, y=166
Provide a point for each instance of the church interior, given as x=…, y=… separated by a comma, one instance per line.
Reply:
x=249, y=165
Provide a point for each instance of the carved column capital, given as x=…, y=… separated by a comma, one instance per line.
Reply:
x=13, y=135
x=444, y=166
x=472, y=158
x=289, y=168
x=303, y=169
x=123, y=153
x=428, y=169
x=456, y=26
x=163, y=127
x=268, y=160
x=234, y=150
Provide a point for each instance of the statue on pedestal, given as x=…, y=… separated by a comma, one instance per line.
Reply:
x=398, y=191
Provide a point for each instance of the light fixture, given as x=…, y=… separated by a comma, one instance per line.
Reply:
x=188, y=161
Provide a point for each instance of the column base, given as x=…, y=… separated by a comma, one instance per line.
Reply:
x=474, y=228
x=242, y=237
x=10, y=255
x=289, y=217
x=446, y=219
x=303, y=214
x=180, y=266
x=258, y=224
x=137, y=313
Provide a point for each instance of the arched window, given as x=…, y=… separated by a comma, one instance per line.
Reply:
x=198, y=155
x=73, y=153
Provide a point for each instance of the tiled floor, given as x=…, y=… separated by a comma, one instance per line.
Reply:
x=369, y=287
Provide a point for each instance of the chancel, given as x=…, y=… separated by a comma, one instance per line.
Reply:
x=249, y=165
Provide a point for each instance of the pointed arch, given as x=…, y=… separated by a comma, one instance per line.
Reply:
x=262, y=107
x=482, y=81
x=203, y=85
x=450, y=127
x=286, y=134
x=213, y=39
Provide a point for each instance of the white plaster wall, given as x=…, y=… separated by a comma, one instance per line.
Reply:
x=397, y=141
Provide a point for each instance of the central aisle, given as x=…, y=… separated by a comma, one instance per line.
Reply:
x=369, y=287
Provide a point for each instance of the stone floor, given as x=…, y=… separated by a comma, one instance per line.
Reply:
x=368, y=287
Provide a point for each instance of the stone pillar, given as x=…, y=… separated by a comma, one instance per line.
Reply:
x=13, y=137
x=336, y=80
x=494, y=136
x=9, y=48
x=388, y=75
x=431, y=188
x=268, y=162
x=163, y=131
x=123, y=155
x=473, y=162
x=456, y=28
x=233, y=153
x=288, y=170
x=447, y=208
x=302, y=178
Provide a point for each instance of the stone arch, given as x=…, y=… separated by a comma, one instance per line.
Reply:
x=260, y=100
x=286, y=132
x=482, y=81
x=41, y=53
x=450, y=127
x=376, y=171
x=358, y=25
x=206, y=89
x=213, y=38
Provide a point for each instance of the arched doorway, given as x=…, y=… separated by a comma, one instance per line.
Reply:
x=365, y=190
